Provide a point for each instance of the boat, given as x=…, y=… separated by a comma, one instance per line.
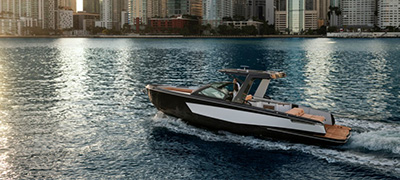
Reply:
x=213, y=106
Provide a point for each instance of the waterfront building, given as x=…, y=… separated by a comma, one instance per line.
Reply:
x=19, y=15
x=322, y=8
x=388, y=13
x=239, y=8
x=105, y=14
x=84, y=22
x=225, y=8
x=67, y=4
x=298, y=16
x=110, y=13
x=178, y=7
x=91, y=6
x=156, y=8
x=8, y=26
x=261, y=10
x=124, y=18
x=334, y=16
x=269, y=12
x=196, y=8
x=315, y=14
x=65, y=19
x=358, y=13
x=280, y=15
x=215, y=10
x=137, y=12
x=172, y=23
x=295, y=16
x=240, y=24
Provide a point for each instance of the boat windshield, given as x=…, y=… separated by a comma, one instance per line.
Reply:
x=217, y=90
x=212, y=92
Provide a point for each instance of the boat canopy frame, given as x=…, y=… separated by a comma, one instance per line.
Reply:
x=251, y=76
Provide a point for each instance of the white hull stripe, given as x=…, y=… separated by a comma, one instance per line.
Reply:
x=249, y=118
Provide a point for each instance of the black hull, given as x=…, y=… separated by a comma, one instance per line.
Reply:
x=174, y=104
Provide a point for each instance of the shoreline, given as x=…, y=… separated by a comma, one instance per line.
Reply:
x=167, y=36
x=197, y=37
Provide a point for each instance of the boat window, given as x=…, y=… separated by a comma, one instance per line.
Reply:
x=224, y=87
x=211, y=92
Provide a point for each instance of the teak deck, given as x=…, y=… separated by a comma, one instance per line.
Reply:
x=185, y=90
x=336, y=132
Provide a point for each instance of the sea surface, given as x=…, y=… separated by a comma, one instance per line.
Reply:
x=74, y=108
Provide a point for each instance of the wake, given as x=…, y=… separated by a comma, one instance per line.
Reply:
x=371, y=136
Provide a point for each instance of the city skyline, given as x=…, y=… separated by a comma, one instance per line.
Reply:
x=200, y=17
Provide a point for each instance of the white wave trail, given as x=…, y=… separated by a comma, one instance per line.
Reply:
x=374, y=136
x=331, y=155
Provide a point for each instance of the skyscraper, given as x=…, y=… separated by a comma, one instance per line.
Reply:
x=110, y=13
x=358, y=12
x=334, y=17
x=17, y=14
x=91, y=6
x=280, y=15
x=178, y=7
x=296, y=16
x=215, y=10
x=388, y=13
x=137, y=10
x=68, y=4
x=239, y=8
x=260, y=9
x=156, y=8
x=196, y=7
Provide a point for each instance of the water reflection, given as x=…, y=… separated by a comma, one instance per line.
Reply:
x=75, y=108
x=317, y=73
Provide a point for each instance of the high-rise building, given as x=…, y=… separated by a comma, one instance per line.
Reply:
x=91, y=6
x=296, y=16
x=68, y=4
x=178, y=7
x=156, y=8
x=388, y=13
x=196, y=8
x=65, y=19
x=358, y=12
x=322, y=7
x=17, y=14
x=225, y=8
x=334, y=16
x=239, y=8
x=59, y=14
x=280, y=15
x=137, y=10
x=312, y=14
x=111, y=13
x=215, y=10
x=260, y=9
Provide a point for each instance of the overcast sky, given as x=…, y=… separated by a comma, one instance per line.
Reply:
x=79, y=5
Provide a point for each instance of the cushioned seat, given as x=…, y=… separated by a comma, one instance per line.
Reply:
x=296, y=111
x=300, y=112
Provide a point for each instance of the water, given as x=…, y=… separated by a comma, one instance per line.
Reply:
x=74, y=108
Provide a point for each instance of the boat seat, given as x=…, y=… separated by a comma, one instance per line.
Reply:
x=178, y=89
x=300, y=112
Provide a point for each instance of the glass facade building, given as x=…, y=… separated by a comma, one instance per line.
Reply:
x=296, y=15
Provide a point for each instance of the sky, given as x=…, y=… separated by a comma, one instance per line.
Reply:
x=79, y=5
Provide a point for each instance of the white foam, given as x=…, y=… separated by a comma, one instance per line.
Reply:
x=373, y=140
